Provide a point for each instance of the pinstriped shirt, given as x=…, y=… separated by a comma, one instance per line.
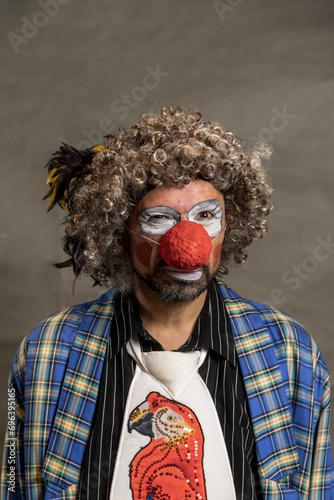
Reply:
x=220, y=372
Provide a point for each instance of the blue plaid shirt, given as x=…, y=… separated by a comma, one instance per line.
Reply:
x=56, y=374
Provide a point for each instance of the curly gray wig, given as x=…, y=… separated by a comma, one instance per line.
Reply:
x=100, y=187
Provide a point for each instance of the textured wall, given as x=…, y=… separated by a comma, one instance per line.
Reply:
x=75, y=70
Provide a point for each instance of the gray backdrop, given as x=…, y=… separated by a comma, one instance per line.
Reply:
x=75, y=70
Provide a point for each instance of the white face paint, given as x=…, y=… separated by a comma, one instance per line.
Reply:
x=209, y=214
x=156, y=221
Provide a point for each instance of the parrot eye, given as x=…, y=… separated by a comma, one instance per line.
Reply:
x=170, y=417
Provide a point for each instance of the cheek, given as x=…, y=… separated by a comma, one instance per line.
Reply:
x=143, y=253
x=216, y=254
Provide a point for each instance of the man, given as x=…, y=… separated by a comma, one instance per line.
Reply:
x=169, y=385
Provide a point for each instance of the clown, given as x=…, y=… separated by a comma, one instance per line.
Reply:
x=169, y=385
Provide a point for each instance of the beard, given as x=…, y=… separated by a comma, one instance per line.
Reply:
x=170, y=289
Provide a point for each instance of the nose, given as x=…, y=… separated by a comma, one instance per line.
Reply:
x=186, y=246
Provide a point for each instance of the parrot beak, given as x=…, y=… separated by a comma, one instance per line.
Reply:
x=141, y=420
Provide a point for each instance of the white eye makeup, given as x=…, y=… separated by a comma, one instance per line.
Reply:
x=209, y=214
x=156, y=221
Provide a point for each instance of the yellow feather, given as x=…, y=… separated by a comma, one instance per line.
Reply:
x=51, y=179
x=97, y=148
x=64, y=207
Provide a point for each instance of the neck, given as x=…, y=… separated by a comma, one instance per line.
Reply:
x=170, y=323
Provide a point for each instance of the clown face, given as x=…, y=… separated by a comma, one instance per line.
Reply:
x=159, y=211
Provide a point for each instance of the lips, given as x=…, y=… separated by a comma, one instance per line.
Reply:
x=183, y=275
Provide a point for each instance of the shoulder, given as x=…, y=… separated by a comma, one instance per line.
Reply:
x=239, y=306
x=46, y=350
x=61, y=327
x=290, y=338
x=301, y=362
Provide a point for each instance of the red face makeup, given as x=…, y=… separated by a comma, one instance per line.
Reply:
x=144, y=252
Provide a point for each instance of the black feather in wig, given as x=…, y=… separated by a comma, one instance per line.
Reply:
x=66, y=169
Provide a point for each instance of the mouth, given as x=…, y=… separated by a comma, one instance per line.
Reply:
x=184, y=275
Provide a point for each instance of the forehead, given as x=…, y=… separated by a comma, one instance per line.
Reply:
x=181, y=198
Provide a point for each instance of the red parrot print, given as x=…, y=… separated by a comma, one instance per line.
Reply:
x=170, y=467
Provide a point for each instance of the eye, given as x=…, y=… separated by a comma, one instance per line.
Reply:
x=205, y=215
x=157, y=218
x=171, y=418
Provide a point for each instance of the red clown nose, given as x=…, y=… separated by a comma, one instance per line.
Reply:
x=187, y=245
